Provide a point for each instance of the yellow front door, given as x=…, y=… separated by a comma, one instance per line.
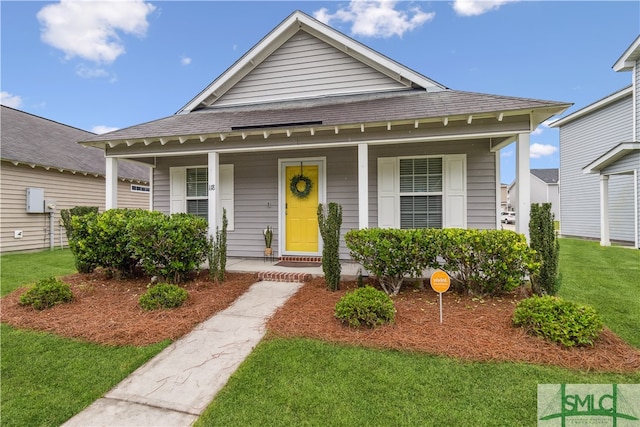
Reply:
x=301, y=213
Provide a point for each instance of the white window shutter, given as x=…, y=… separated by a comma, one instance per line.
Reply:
x=455, y=191
x=177, y=190
x=388, y=207
x=226, y=194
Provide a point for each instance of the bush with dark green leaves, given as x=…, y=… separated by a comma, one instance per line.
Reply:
x=171, y=247
x=329, y=222
x=554, y=319
x=365, y=307
x=47, y=293
x=66, y=215
x=163, y=295
x=545, y=242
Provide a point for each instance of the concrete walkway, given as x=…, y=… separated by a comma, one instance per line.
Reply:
x=177, y=385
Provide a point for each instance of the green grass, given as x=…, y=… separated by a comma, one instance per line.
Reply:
x=294, y=382
x=20, y=269
x=46, y=379
x=607, y=278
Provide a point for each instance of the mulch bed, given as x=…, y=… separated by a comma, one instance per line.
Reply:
x=105, y=311
x=472, y=329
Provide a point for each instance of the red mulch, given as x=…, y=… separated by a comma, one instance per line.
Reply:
x=105, y=311
x=472, y=329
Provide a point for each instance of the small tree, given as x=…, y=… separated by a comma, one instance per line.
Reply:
x=544, y=241
x=329, y=222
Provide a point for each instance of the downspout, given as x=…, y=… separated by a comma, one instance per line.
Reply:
x=51, y=232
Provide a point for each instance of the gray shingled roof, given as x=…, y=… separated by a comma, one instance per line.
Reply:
x=331, y=111
x=30, y=139
x=550, y=176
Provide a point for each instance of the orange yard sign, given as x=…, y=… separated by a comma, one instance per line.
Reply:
x=440, y=281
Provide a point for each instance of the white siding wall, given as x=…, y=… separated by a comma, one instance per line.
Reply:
x=67, y=189
x=305, y=67
x=636, y=90
x=581, y=142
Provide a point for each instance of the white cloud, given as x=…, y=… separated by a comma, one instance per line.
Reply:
x=100, y=129
x=90, y=72
x=477, y=7
x=185, y=60
x=542, y=150
x=543, y=126
x=506, y=153
x=13, y=101
x=376, y=18
x=90, y=29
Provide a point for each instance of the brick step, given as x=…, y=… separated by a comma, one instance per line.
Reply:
x=279, y=276
x=294, y=258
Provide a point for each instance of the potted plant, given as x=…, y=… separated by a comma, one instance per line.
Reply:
x=268, y=237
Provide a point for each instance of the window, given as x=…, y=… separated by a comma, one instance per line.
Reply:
x=189, y=192
x=421, y=193
x=140, y=188
x=197, y=195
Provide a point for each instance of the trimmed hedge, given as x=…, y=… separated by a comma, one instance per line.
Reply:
x=554, y=319
x=163, y=295
x=127, y=241
x=482, y=262
x=365, y=306
x=47, y=293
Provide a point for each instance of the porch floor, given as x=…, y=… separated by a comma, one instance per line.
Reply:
x=268, y=270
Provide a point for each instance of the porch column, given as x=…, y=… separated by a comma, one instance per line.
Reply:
x=604, y=211
x=523, y=186
x=111, y=183
x=215, y=217
x=363, y=186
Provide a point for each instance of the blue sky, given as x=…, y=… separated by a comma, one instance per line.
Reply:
x=101, y=66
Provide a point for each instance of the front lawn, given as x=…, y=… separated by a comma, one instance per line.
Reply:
x=292, y=382
x=607, y=278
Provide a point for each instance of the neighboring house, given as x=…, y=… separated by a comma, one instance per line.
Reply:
x=41, y=161
x=504, y=197
x=599, y=163
x=543, y=189
x=310, y=116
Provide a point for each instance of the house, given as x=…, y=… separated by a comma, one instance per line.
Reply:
x=311, y=116
x=44, y=170
x=504, y=197
x=543, y=189
x=599, y=163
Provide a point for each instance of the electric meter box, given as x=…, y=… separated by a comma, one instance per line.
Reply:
x=35, y=200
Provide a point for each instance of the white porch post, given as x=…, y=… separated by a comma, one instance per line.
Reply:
x=523, y=187
x=215, y=217
x=498, y=192
x=363, y=186
x=111, y=183
x=604, y=211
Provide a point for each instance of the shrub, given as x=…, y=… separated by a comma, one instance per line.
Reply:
x=329, y=222
x=82, y=242
x=171, y=247
x=365, y=306
x=486, y=262
x=545, y=243
x=557, y=320
x=392, y=254
x=47, y=293
x=163, y=295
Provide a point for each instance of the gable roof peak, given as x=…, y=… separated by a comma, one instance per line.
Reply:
x=299, y=21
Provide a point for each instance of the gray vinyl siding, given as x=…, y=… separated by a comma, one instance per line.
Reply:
x=622, y=210
x=67, y=189
x=581, y=142
x=256, y=187
x=481, y=176
x=306, y=67
x=636, y=90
